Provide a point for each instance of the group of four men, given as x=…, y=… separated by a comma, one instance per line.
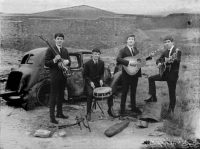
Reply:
x=94, y=72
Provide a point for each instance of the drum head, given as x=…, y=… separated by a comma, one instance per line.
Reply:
x=102, y=92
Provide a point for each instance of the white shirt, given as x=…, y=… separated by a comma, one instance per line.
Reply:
x=130, y=48
x=58, y=48
x=95, y=61
x=170, y=51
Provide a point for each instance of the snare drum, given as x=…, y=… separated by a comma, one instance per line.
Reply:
x=102, y=92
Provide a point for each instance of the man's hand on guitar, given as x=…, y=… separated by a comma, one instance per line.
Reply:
x=66, y=62
x=132, y=63
x=159, y=65
x=169, y=60
x=56, y=58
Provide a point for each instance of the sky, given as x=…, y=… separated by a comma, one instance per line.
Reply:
x=117, y=6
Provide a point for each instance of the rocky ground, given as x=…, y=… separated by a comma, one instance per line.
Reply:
x=18, y=126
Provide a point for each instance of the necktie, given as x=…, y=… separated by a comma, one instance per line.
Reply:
x=59, y=49
x=132, y=51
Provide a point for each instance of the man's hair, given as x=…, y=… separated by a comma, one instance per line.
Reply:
x=168, y=37
x=96, y=50
x=132, y=35
x=59, y=35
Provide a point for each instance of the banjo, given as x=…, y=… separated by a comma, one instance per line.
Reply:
x=140, y=62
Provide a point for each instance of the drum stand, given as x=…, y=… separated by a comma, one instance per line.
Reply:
x=95, y=102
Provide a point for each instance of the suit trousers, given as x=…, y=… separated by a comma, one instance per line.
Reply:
x=128, y=81
x=56, y=96
x=90, y=97
x=171, y=86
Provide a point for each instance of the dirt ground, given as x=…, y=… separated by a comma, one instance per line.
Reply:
x=18, y=127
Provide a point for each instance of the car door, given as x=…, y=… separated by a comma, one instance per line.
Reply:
x=75, y=83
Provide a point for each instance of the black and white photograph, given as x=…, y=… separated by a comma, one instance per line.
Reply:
x=99, y=74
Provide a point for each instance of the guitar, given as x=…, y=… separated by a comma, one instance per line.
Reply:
x=140, y=62
x=65, y=69
x=163, y=67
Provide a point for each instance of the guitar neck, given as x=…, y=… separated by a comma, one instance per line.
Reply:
x=52, y=48
x=47, y=42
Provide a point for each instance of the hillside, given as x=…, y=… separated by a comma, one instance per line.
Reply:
x=88, y=27
x=83, y=12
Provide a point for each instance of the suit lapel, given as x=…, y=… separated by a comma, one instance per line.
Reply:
x=135, y=51
x=128, y=51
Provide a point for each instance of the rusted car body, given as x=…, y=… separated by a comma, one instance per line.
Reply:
x=29, y=84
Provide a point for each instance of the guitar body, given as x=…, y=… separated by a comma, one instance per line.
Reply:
x=131, y=70
x=164, y=66
x=140, y=62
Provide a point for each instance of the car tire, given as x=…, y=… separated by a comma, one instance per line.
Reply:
x=30, y=102
x=43, y=92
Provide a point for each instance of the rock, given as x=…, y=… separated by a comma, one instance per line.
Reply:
x=142, y=124
x=62, y=133
x=42, y=133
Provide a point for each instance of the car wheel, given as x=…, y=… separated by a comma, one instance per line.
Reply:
x=30, y=102
x=43, y=92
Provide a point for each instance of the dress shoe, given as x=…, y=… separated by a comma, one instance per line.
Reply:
x=54, y=121
x=88, y=116
x=136, y=110
x=62, y=116
x=123, y=113
x=151, y=99
x=111, y=113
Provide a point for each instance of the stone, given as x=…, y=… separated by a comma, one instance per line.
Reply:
x=42, y=133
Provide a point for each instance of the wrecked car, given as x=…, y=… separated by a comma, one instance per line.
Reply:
x=29, y=84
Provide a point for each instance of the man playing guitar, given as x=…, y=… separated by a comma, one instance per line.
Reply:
x=53, y=60
x=168, y=63
x=129, y=80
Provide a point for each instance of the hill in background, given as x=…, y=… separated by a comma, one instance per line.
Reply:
x=88, y=27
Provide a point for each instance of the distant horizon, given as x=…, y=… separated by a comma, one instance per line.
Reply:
x=129, y=7
x=155, y=14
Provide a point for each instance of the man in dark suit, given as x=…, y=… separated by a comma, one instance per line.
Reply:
x=93, y=74
x=170, y=75
x=128, y=80
x=52, y=60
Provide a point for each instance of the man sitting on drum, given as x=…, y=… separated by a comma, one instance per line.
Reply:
x=93, y=74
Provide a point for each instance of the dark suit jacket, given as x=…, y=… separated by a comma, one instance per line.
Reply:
x=55, y=71
x=94, y=72
x=125, y=52
x=175, y=65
